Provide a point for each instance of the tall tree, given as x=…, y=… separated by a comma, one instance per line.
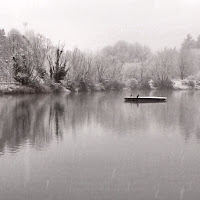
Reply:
x=164, y=66
x=18, y=43
x=40, y=47
x=58, y=63
x=5, y=57
x=82, y=70
x=188, y=43
x=185, y=63
x=198, y=42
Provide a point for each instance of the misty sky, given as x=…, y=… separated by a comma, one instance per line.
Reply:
x=92, y=24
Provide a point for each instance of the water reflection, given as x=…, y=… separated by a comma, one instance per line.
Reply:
x=40, y=119
x=30, y=118
x=95, y=146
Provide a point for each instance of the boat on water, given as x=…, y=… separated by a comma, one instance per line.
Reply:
x=145, y=99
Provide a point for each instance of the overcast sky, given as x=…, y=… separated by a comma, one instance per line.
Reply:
x=92, y=24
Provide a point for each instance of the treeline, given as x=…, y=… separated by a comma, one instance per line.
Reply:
x=33, y=61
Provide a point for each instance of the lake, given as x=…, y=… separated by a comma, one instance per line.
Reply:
x=95, y=146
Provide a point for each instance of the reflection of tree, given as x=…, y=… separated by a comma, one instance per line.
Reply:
x=189, y=114
x=57, y=112
x=28, y=118
x=15, y=124
x=178, y=115
x=40, y=119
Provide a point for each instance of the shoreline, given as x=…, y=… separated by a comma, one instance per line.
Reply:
x=19, y=89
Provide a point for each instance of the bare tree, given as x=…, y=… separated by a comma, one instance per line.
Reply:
x=163, y=67
x=185, y=63
x=81, y=71
x=143, y=56
x=5, y=57
x=58, y=63
x=101, y=69
x=40, y=47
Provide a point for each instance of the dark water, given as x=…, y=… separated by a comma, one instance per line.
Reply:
x=95, y=146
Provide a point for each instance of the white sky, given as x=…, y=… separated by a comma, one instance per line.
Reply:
x=92, y=24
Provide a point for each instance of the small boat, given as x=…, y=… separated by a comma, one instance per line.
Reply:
x=145, y=99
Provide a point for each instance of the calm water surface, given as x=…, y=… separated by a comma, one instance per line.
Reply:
x=95, y=146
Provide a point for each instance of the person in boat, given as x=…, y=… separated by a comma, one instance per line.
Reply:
x=137, y=96
x=131, y=95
